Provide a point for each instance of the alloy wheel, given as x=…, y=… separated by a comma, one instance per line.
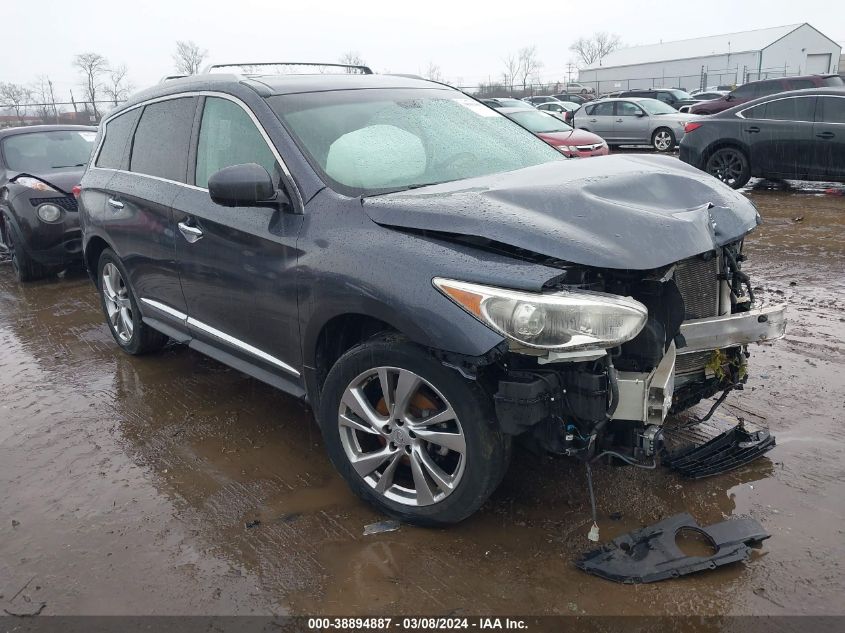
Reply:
x=402, y=436
x=726, y=165
x=118, y=303
x=663, y=141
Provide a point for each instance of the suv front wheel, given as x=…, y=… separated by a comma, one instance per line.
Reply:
x=121, y=309
x=413, y=437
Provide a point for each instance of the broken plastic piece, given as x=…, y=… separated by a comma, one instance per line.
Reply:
x=381, y=527
x=593, y=534
x=650, y=554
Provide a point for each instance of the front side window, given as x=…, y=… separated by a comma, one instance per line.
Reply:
x=161, y=142
x=43, y=152
x=832, y=110
x=626, y=108
x=378, y=140
x=228, y=136
x=602, y=109
x=801, y=84
x=118, y=139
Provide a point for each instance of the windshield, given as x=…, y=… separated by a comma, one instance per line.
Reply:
x=376, y=140
x=539, y=122
x=40, y=152
x=680, y=94
x=653, y=106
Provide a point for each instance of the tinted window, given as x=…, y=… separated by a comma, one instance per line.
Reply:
x=832, y=109
x=796, y=109
x=626, y=108
x=161, y=140
x=40, y=152
x=836, y=80
x=666, y=97
x=228, y=137
x=750, y=91
x=801, y=84
x=602, y=109
x=117, y=141
x=766, y=88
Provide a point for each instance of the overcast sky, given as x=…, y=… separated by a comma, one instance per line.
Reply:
x=466, y=39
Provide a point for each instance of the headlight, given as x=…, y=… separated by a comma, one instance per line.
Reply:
x=49, y=213
x=566, y=321
x=33, y=183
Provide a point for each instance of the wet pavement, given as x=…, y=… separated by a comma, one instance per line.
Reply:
x=170, y=484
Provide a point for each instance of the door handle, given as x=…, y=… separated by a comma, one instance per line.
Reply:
x=826, y=135
x=115, y=204
x=190, y=233
x=619, y=120
x=752, y=130
x=593, y=120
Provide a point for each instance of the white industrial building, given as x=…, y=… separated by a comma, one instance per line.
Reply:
x=733, y=58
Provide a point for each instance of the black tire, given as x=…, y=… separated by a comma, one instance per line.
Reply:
x=143, y=339
x=24, y=267
x=730, y=165
x=487, y=449
x=658, y=141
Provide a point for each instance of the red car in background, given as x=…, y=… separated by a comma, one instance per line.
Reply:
x=569, y=141
x=764, y=88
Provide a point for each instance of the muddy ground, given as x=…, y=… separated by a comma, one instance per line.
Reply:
x=127, y=484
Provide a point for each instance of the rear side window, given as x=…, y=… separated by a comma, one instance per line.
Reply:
x=795, y=109
x=801, y=84
x=831, y=110
x=118, y=139
x=162, y=138
x=229, y=137
x=766, y=88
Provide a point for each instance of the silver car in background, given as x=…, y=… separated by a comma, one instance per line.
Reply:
x=634, y=121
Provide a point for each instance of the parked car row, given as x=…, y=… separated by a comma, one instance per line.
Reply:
x=428, y=274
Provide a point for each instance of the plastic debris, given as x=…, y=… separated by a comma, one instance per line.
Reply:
x=381, y=527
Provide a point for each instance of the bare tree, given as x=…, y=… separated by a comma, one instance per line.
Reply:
x=117, y=87
x=188, y=57
x=433, y=72
x=512, y=67
x=16, y=97
x=92, y=66
x=352, y=58
x=45, y=101
x=593, y=49
x=529, y=65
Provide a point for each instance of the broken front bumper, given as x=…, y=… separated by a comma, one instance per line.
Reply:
x=647, y=397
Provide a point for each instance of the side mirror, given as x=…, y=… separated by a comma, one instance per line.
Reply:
x=640, y=113
x=247, y=185
x=729, y=97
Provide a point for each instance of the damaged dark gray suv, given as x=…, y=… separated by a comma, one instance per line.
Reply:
x=429, y=275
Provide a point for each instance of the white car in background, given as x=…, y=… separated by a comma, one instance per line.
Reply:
x=634, y=121
x=582, y=88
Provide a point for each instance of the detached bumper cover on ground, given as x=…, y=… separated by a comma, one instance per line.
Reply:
x=650, y=554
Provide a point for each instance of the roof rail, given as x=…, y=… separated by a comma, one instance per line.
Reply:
x=171, y=78
x=251, y=69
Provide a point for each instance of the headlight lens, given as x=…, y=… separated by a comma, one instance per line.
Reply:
x=33, y=183
x=49, y=213
x=564, y=321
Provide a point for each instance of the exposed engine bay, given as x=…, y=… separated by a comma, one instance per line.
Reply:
x=701, y=316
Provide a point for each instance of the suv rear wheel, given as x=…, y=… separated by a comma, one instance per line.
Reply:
x=409, y=435
x=121, y=309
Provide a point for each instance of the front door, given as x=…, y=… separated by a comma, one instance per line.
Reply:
x=631, y=124
x=829, y=137
x=236, y=263
x=779, y=135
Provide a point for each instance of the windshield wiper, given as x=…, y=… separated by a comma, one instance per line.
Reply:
x=63, y=166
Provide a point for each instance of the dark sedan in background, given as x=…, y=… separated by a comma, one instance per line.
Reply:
x=792, y=135
x=670, y=96
x=39, y=223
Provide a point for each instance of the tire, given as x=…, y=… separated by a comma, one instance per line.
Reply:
x=398, y=455
x=24, y=267
x=730, y=165
x=117, y=299
x=663, y=139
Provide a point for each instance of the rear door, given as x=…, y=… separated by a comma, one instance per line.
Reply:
x=237, y=263
x=138, y=208
x=599, y=119
x=631, y=124
x=829, y=137
x=779, y=134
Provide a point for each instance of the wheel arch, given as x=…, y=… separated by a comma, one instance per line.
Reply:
x=722, y=143
x=94, y=247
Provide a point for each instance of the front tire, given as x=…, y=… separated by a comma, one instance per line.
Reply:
x=121, y=309
x=412, y=437
x=730, y=165
x=25, y=268
x=663, y=139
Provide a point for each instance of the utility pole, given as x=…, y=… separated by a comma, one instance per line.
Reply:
x=73, y=101
x=53, y=101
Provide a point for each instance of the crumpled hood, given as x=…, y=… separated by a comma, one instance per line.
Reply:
x=628, y=212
